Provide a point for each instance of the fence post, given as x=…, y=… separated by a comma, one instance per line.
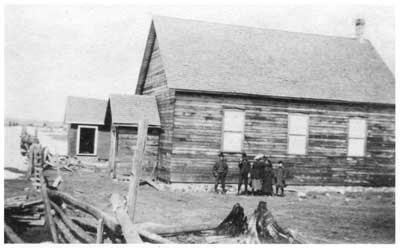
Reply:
x=137, y=167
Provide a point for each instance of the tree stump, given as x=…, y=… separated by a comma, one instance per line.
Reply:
x=263, y=228
x=234, y=224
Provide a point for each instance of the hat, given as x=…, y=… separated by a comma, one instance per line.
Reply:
x=244, y=154
x=258, y=156
x=221, y=154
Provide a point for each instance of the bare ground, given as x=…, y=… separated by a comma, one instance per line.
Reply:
x=335, y=218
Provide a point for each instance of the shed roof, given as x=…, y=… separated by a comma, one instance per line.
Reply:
x=210, y=57
x=129, y=109
x=85, y=111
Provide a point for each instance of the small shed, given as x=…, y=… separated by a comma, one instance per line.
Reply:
x=88, y=134
x=123, y=114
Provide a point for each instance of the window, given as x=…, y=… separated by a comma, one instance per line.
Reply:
x=233, y=131
x=86, y=142
x=357, y=137
x=297, y=134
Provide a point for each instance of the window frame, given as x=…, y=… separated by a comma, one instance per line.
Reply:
x=306, y=135
x=364, y=138
x=223, y=129
x=96, y=128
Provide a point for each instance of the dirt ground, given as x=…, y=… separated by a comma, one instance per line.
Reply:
x=322, y=218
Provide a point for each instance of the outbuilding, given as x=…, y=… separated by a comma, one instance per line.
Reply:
x=107, y=130
x=123, y=115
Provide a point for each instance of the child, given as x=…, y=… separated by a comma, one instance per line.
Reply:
x=280, y=178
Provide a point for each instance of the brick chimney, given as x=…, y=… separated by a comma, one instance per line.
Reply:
x=360, y=26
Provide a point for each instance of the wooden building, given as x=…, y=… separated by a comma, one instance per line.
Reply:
x=107, y=130
x=123, y=114
x=88, y=134
x=324, y=105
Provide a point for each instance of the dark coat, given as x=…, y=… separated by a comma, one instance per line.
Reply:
x=268, y=180
x=220, y=167
x=244, y=167
x=258, y=170
x=280, y=176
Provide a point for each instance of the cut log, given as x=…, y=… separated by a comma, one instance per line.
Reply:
x=169, y=230
x=11, y=235
x=79, y=232
x=46, y=201
x=109, y=220
x=88, y=224
x=154, y=238
x=234, y=224
x=66, y=232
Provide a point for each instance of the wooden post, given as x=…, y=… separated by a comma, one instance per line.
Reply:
x=128, y=229
x=137, y=168
x=100, y=227
x=46, y=202
x=113, y=151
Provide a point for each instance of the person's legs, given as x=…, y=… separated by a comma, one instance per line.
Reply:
x=278, y=190
x=240, y=184
x=246, y=182
x=223, y=183
x=216, y=183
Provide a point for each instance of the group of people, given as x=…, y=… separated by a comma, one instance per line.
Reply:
x=260, y=175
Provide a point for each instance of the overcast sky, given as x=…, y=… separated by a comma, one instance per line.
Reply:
x=92, y=50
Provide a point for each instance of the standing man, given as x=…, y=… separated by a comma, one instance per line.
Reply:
x=220, y=171
x=244, y=170
x=280, y=178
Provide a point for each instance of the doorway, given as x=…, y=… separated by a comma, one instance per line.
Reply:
x=87, y=140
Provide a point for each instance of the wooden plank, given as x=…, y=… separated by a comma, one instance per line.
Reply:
x=137, y=168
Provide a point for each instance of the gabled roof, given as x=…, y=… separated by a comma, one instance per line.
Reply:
x=85, y=111
x=129, y=109
x=208, y=57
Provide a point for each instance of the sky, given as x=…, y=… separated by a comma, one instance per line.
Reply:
x=54, y=51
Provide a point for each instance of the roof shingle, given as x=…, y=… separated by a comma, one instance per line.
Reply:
x=209, y=57
x=129, y=109
x=85, y=111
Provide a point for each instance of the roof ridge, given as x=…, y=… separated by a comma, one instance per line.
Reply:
x=260, y=28
x=132, y=95
x=86, y=98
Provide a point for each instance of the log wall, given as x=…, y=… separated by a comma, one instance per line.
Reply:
x=198, y=130
x=126, y=145
x=156, y=84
